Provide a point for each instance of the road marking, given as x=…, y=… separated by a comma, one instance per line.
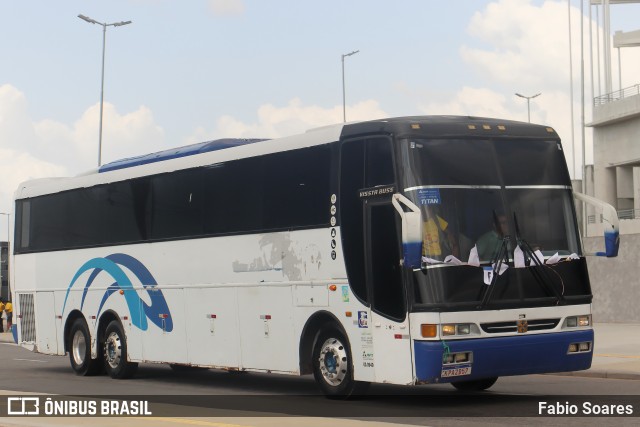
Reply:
x=190, y=422
x=622, y=356
x=31, y=360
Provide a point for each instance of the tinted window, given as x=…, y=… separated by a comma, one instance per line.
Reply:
x=279, y=191
x=233, y=196
x=296, y=188
x=177, y=200
x=451, y=162
x=532, y=162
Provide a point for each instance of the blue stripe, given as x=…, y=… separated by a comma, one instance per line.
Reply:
x=497, y=357
x=174, y=153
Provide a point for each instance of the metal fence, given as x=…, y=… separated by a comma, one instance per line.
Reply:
x=629, y=213
x=617, y=95
x=622, y=214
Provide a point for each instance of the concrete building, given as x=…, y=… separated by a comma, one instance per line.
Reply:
x=615, y=178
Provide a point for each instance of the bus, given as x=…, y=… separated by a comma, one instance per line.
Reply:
x=415, y=250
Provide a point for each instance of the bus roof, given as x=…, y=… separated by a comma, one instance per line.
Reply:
x=174, y=153
x=228, y=149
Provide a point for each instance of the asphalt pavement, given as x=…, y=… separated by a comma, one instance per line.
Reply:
x=616, y=352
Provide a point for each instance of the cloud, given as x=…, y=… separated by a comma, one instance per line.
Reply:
x=226, y=7
x=124, y=135
x=522, y=47
x=31, y=149
x=528, y=44
x=274, y=122
x=16, y=167
x=76, y=147
x=470, y=101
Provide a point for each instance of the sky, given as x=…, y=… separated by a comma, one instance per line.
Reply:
x=190, y=71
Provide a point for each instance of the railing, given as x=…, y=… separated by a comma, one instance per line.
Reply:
x=629, y=213
x=617, y=95
x=622, y=214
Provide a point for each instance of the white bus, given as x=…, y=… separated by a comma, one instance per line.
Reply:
x=407, y=251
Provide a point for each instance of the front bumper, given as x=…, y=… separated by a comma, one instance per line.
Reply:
x=504, y=356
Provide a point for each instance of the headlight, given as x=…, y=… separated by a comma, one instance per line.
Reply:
x=578, y=321
x=464, y=329
x=456, y=329
x=448, y=330
x=584, y=320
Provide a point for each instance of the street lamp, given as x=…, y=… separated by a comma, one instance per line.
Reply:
x=528, y=98
x=104, y=37
x=344, y=104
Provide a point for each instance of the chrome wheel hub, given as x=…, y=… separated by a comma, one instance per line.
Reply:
x=333, y=362
x=79, y=348
x=113, y=350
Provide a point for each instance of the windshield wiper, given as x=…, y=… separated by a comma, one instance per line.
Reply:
x=500, y=257
x=541, y=275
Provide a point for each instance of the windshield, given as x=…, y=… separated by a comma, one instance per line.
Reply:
x=480, y=200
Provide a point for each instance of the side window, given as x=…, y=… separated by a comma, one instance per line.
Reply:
x=177, y=204
x=22, y=225
x=48, y=222
x=296, y=188
x=233, y=196
x=379, y=162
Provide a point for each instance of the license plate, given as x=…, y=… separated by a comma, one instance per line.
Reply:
x=456, y=372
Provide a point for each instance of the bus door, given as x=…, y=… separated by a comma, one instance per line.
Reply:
x=389, y=320
x=371, y=243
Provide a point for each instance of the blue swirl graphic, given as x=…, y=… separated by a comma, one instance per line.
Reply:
x=157, y=312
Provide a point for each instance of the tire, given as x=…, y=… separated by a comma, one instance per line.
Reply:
x=475, y=385
x=115, y=352
x=79, y=346
x=333, y=366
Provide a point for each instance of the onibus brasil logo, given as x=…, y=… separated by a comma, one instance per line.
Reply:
x=114, y=265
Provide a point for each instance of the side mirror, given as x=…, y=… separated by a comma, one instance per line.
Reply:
x=411, y=230
x=610, y=219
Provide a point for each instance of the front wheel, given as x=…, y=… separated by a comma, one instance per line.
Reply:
x=475, y=385
x=79, y=346
x=115, y=352
x=333, y=366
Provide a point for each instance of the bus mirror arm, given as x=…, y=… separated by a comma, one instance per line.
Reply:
x=411, y=230
x=611, y=222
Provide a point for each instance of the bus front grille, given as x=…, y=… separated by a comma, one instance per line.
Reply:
x=507, y=327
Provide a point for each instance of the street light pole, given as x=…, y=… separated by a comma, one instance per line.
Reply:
x=528, y=98
x=344, y=102
x=104, y=41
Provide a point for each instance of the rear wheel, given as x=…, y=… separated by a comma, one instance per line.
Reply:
x=115, y=352
x=475, y=385
x=79, y=346
x=333, y=366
